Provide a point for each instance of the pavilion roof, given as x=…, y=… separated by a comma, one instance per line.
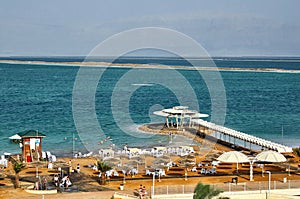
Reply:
x=31, y=133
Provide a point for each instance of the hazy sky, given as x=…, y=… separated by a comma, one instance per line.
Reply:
x=231, y=27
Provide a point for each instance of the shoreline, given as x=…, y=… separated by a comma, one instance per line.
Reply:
x=207, y=143
x=147, y=66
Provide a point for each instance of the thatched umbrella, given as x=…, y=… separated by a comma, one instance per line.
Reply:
x=112, y=161
x=156, y=166
x=124, y=170
x=159, y=161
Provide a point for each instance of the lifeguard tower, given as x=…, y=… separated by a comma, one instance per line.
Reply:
x=31, y=144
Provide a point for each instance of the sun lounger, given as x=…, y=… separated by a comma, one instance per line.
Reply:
x=194, y=169
x=213, y=171
x=148, y=172
x=203, y=171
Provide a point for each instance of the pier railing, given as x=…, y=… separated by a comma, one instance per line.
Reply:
x=229, y=187
x=243, y=136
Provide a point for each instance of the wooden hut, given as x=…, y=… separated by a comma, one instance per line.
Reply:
x=31, y=145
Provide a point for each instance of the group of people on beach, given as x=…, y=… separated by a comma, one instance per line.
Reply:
x=64, y=182
x=40, y=184
x=71, y=168
x=142, y=192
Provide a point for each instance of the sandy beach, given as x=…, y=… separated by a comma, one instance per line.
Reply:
x=147, y=66
x=86, y=183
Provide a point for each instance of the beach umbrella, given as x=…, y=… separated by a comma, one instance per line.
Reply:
x=112, y=161
x=160, y=161
x=124, y=170
x=233, y=157
x=132, y=163
x=138, y=158
x=270, y=156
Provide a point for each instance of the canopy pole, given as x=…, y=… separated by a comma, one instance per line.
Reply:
x=167, y=120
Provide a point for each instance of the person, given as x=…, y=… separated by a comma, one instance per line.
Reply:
x=63, y=181
x=70, y=170
x=78, y=168
x=144, y=192
x=36, y=185
x=125, y=148
x=68, y=182
x=100, y=174
x=44, y=183
x=50, y=165
x=55, y=180
x=141, y=191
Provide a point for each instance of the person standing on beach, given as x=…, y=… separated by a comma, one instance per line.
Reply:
x=55, y=179
x=125, y=148
x=70, y=167
x=141, y=191
x=44, y=183
x=78, y=168
x=144, y=192
x=36, y=185
x=70, y=170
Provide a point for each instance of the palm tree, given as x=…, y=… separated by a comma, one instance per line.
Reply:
x=103, y=167
x=205, y=192
x=18, y=167
x=297, y=151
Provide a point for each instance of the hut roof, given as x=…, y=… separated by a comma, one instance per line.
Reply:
x=31, y=133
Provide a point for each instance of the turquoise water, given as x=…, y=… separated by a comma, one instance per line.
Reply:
x=40, y=97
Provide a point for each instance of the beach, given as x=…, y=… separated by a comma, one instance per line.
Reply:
x=86, y=183
x=149, y=100
x=50, y=96
x=211, y=67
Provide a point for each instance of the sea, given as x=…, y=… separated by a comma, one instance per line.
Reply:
x=260, y=102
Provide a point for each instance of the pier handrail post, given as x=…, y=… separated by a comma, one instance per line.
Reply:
x=269, y=184
x=252, y=160
x=153, y=181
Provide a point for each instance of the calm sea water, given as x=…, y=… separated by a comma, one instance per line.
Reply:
x=40, y=97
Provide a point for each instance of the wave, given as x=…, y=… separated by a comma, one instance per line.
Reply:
x=142, y=84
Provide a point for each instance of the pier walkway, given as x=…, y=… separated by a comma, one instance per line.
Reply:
x=224, y=131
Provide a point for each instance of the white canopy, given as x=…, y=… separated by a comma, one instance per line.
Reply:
x=233, y=157
x=134, y=150
x=160, y=113
x=270, y=156
x=200, y=115
x=15, y=137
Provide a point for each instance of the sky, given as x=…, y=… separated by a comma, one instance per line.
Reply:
x=223, y=28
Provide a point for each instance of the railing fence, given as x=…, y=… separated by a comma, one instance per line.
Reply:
x=228, y=187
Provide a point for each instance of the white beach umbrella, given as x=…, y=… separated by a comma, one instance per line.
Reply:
x=270, y=156
x=233, y=157
x=160, y=113
x=200, y=115
x=15, y=137
x=266, y=156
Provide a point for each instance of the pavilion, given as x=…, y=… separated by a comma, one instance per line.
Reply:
x=179, y=113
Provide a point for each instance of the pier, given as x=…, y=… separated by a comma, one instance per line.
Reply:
x=181, y=113
x=232, y=135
